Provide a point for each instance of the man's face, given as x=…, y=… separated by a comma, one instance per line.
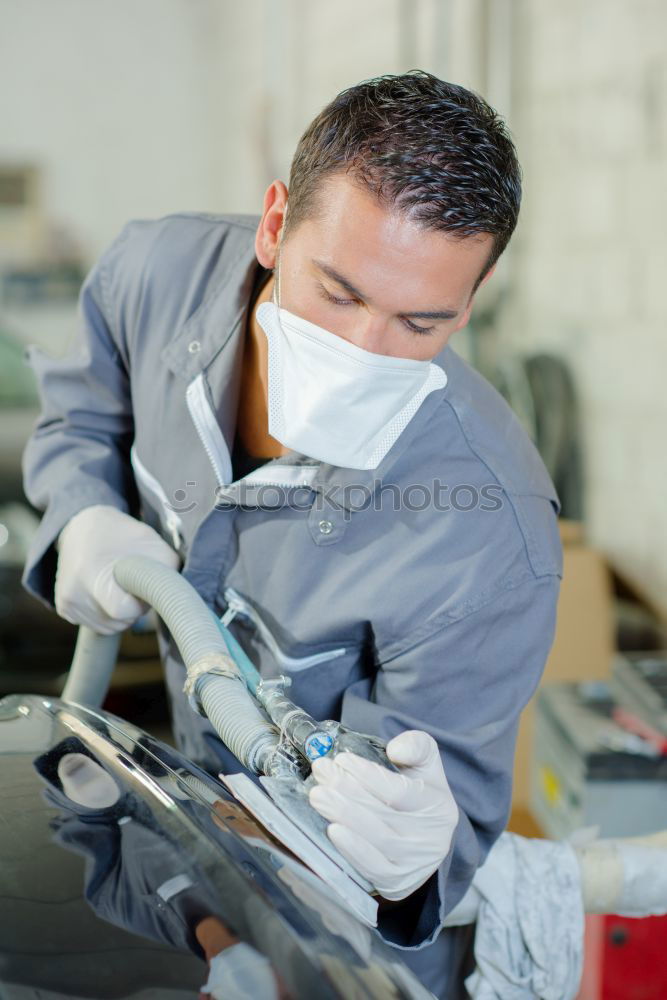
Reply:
x=373, y=277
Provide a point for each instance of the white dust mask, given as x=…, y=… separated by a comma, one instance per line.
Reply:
x=334, y=401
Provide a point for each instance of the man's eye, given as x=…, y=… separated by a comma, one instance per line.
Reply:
x=424, y=330
x=418, y=329
x=332, y=298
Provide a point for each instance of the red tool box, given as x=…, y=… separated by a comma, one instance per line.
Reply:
x=625, y=958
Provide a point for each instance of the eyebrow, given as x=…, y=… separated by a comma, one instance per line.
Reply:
x=349, y=287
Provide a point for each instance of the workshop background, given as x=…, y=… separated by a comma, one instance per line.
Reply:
x=138, y=108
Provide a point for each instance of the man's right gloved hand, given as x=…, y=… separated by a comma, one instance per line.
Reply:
x=86, y=592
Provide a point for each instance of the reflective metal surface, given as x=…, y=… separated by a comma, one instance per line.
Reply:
x=124, y=870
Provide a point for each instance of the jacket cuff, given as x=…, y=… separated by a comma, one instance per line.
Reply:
x=39, y=572
x=416, y=921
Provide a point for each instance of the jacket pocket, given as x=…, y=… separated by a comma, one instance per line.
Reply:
x=238, y=606
x=318, y=682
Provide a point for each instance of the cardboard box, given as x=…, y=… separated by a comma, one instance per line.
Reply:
x=584, y=642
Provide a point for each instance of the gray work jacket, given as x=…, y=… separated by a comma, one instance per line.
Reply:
x=420, y=594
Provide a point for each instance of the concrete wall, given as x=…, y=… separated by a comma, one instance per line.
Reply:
x=116, y=101
x=589, y=113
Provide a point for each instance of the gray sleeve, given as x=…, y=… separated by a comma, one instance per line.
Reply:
x=77, y=454
x=465, y=682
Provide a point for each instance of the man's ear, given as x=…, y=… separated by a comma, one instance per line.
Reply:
x=487, y=276
x=268, y=230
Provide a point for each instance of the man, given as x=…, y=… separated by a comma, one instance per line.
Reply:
x=278, y=402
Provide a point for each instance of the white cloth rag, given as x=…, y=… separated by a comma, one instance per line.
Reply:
x=530, y=924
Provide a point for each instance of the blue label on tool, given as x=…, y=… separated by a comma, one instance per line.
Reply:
x=318, y=745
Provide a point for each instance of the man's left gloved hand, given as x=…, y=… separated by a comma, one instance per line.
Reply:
x=394, y=828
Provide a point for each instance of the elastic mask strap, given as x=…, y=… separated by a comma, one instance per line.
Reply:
x=276, y=287
x=276, y=270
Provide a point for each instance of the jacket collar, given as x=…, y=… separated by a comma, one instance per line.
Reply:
x=219, y=315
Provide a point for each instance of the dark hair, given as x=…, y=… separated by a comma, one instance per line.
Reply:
x=433, y=149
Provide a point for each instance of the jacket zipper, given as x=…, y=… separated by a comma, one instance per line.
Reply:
x=215, y=446
x=252, y=482
x=172, y=520
x=237, y=605
x=208, y=429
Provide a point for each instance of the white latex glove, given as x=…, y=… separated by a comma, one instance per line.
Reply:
x=86, y=592
x=395, y=829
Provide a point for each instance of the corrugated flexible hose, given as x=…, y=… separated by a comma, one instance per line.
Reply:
x=225, y=699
